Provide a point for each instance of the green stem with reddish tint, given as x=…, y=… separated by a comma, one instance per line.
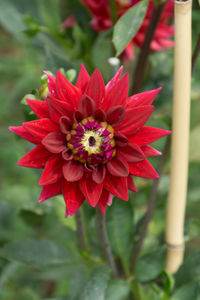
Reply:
x=81, y=231
x=105, y=245
x=145, y=50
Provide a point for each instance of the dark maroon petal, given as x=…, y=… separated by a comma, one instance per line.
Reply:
x=131, y=153
x=117, y=186
x=118, y=94
x=135, y=119
x=143, y=169
x=115, y=79
x=36, y=158
x=86, y=106
x=148, y=135
x=52, y=171
x=131, y=185
x=67, y=154
x=83, y=79
x=91, y=190
x=65, y=124
x=99, y=173
x=39, y=107
x=118, y=167
x=100, y=115
x=115, y=115
x=150, y=151
x=78, y=117
x=104, y=200
x=142, y=99
x=21, y=131
x=72, y=170
x=73, y=197
x=55, y=142
x=96, y=87
x=40, y=128
x=51, y=81
x=51, y=190
x=58, y=108
x=120, y=139
x=66, y=91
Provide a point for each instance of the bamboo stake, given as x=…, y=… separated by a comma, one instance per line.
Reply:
x=180, y=136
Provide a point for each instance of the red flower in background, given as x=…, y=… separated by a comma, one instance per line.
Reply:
x=90, y=139
x=101, y=21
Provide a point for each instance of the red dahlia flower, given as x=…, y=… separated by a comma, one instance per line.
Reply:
x=101, y=21
x=90, y=139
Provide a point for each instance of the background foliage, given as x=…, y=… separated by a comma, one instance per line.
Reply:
x=39, y=254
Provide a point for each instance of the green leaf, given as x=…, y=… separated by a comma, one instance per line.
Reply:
x=189, y=270
x=117, y=290
x=50, y=14
x=168, y=282
x=128, y=25
x=150, y=265
x=99, y=57
x=194, y=153
x=119, y=221
x=11, y=18
x=96, y=285
x=190, y=290
x=38, y=253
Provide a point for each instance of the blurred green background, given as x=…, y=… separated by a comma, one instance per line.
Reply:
x=39, y=257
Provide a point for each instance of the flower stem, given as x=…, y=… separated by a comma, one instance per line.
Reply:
x=105, y=243
x=81, y=231
x=113, y=11
x=145, y=50
x=150, y=208
x=196, y=53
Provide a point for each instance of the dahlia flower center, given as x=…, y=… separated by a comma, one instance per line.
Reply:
x=91, y=141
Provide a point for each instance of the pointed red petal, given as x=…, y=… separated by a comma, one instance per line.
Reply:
x=58, y=108
x=52, y=171
x=131, y=153
x=117, y=186
x=104, y=200
x=96, y=87
x=91, y=190
x=51, y=190
x=36, y=158
x=143, y=169
x=21, y=131
x=73, y=197
x=40, y=128
x=86, y=106
x=148, y=135
x=131, y=185
x=51, y=81
x=83, y=79
x=135, y=118
x=118, y=94
x=54, y=142
x=150, y=151
x=118, y=166
x=115, y=79
x=66, y=91
x=39, y=107
x=99, y=173
x=72, y=170
x=115, y=115
x=142, y=99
